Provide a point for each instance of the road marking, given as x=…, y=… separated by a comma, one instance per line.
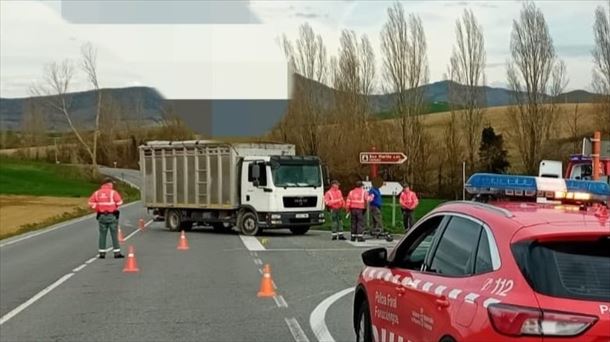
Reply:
x=36, y=297
x=258, y=262
x=79, y=268
x=318, y=316
x=251, y=243
x=280, y=301
x=50, y=288
x=55, y=227
x=296, y=330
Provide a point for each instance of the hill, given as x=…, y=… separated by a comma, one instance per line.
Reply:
x=142, y=104
x=217, y=117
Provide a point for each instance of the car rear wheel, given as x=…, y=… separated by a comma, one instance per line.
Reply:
x=364, y=330
x=299, y=230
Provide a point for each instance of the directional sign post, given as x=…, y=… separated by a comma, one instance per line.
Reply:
x=375, y=158
x=382, y=157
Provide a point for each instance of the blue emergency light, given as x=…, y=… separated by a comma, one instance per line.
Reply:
x=529, y=186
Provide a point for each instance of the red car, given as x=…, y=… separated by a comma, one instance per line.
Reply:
x=495, y=271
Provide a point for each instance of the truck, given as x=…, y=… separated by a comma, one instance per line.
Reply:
x=593, y=163
x=251, y=186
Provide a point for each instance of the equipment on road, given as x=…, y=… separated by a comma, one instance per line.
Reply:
x=141, y=224
x=252, y=186
x=266, y=289
x=183, y=244
x=131, y=265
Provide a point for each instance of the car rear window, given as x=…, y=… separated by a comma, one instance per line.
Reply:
x=567, y=269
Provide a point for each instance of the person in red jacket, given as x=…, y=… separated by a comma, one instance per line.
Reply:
x=357, y=200
x=408, y=203
x=106, y=202
x=333, y=199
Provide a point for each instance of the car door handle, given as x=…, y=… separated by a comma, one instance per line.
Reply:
x=442, y=302
x=400, y=290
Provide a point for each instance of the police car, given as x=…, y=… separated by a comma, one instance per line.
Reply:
x=528, y=261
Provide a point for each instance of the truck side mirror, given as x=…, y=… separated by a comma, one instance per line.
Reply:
x=256, y=172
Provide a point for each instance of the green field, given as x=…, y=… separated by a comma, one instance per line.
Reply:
x=425, y=205
x=20, y=177
x=32, y=178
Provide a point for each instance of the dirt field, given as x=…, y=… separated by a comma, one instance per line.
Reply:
x=16, y=211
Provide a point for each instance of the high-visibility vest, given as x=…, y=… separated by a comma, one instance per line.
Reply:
x=357, y=199
x=105, y=199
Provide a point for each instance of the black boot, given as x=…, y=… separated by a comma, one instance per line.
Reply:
x=334, y=237
x=118, y=255
x=360, y=239
x=102, y=255
x=341, y=237
x=352, y=238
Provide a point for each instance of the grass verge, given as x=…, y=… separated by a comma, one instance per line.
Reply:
x=32, y=178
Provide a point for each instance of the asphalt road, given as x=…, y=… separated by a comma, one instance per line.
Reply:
x=207, y=293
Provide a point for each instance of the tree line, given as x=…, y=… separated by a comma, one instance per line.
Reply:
x=340, y=127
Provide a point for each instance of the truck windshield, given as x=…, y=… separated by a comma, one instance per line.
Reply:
x=297, y=175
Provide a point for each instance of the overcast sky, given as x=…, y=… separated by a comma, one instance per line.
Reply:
x=186, y=55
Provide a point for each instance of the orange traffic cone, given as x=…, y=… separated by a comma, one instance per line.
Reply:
x=131, y=265
x=183, y=243
x=121, y=238
x=141, y=224
x=266, y=289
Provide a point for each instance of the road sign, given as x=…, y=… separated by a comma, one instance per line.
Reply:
x=382, y=157
x=387, y=189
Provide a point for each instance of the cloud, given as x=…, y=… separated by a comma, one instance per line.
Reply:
x=306, y=15
x=574, y=50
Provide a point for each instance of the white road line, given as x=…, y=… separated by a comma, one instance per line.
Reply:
x=252, y=243
x=54, y=227
x=318, y=316
x=79, y=268
x=258, y=261
x=260, y=270
x=36, y=297
x=296, y=330
x=49, y=288
x=280, y=302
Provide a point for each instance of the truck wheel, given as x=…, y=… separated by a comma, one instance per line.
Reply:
x=299, y=230
x=248, y=224
x=174, y=220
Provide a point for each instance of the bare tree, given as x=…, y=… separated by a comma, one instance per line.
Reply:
x=33, y=125
x=405, y=70
x=89, y=66
x=575, y=128
x=56, y=91
x=307, y=57
x=601, y=62
x=467, y=78
x=453, y=154
x=536, y=76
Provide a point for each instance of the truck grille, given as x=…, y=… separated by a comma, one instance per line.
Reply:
x=300, y=202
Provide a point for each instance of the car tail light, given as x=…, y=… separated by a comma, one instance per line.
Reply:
x=518, y=320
